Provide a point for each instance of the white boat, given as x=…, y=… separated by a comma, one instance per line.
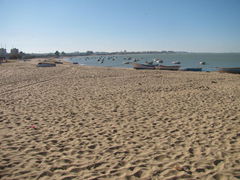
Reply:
x=176, y=62
x=202, y=63
x=158, y=60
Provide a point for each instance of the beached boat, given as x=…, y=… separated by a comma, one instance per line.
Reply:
x=58, y=62
x=46, y=64
x=172, y=68
x=230, y=70
x=191, y=69
x=143, y=66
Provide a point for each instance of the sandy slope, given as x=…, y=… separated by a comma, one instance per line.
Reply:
x=73, y=122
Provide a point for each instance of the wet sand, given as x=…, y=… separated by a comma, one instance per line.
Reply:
x=74, y=122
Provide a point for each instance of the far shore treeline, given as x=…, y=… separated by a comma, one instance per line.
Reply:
x=57, y=54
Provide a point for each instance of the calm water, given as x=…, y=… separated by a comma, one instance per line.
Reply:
x=212, y=60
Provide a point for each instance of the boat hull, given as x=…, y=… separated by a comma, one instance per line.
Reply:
x=46, y=65
x=171, y=68
x=142, y=66
x=192, y=69
x=230, y=70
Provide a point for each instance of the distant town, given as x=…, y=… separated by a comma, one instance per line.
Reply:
x=15, y=53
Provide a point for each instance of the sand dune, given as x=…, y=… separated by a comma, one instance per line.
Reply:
x=72, y=122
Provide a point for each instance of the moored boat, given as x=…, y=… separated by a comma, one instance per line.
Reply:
x=149, y=62
x=202, y=63
x=176, y=62
x=172, y=68
x=158, y=60
x=230, y=70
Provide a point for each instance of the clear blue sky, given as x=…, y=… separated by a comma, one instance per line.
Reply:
x=115, y=25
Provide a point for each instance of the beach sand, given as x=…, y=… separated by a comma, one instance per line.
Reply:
x=75, y=122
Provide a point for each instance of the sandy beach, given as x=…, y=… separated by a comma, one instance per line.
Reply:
x=75, y=122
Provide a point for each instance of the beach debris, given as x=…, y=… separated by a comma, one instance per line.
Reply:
x=33, y=127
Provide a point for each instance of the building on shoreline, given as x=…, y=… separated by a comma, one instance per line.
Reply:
x=3, y=54
x=14, y=52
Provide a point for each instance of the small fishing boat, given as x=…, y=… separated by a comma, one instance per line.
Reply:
x=176, y=62
x=235, y=70
x=75, y=62
x=149, y=62
x=127, y=62
x=143, y=66
x=172, y=68
x=202, y=63
x=135, y=60
x=191, y=69
x=158, y=60
x=46, y=64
